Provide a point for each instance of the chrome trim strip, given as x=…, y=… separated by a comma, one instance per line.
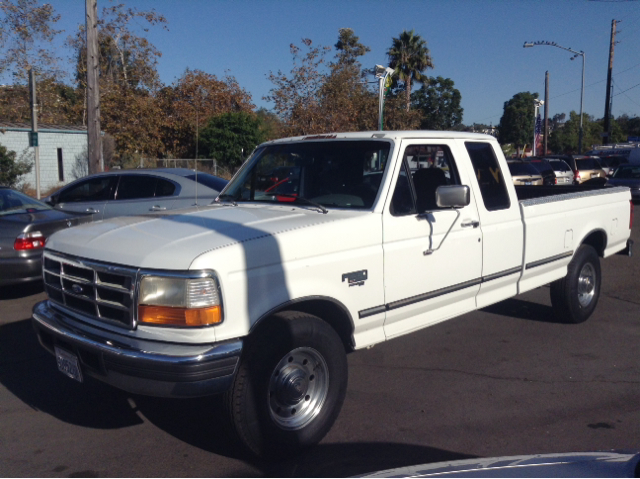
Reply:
x=541, y=262
x=433, y=294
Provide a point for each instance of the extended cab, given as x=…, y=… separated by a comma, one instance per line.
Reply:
x=260, y=295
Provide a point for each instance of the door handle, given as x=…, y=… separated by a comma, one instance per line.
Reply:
x=473, y=223
x=92, y=211
x=157, y=208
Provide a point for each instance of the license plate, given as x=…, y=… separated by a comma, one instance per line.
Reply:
x=527, y=183
x=595, y=175
x=68, y=364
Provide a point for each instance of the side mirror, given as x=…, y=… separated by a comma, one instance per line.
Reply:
x=454, y=196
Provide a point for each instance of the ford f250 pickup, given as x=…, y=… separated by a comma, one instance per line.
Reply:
x=319, y=246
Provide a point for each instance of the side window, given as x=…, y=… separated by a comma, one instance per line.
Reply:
x=402, y=202
x=429, y=166
x=164, y=187
x=92, y=189
x=132, y=187
x=487, y=170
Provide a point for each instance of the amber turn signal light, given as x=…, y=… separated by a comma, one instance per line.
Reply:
x=179, y=316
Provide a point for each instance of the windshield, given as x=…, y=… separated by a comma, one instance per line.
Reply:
x=627, y=172
x=343, y=174
x=13, y=202
x=587, y=164
x=518, y=169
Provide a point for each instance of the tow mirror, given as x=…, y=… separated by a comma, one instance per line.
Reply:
x=454, y=196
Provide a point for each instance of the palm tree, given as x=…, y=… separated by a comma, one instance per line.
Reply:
x=409, y=57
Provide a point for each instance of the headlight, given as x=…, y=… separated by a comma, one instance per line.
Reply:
x=179, y=301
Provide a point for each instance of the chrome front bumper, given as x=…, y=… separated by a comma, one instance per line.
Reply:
x=140, y=366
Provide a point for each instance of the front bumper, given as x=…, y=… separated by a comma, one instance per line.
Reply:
x=140, y=366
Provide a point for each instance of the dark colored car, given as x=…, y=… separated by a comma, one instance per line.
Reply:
x=610, y=163
x=546, y=170
x=136, y=192
x=25, y=225
x=627, y=175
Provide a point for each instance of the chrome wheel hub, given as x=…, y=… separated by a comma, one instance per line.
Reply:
x=298, y=388
x=586, y=285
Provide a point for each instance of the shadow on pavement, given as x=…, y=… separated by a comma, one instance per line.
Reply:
x=30, y=373
x=519, y=308
x=22, y=290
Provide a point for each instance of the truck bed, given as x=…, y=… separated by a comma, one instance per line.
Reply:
x=531, y=192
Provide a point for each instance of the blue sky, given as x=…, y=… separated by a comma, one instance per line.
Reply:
x=478, y=44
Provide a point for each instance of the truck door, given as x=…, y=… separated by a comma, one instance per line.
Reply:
x=432, y=256
x=500, y=221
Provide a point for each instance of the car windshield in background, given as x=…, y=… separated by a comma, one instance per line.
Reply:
x=627, y=173
x=518, y=169
x=587, y=164
x=208, y=180
x=559, y=165
x=14, y=203
x=343, y=174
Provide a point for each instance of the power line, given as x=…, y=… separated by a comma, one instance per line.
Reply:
x=620, y=93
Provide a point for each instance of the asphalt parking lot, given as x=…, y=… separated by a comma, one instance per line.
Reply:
x=505, y=380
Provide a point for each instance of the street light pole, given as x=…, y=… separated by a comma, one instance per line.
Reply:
x=382, y=74
x=580, y=53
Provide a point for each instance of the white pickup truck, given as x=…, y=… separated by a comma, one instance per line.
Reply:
x=318, y=246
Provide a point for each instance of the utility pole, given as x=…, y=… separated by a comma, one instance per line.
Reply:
x=33, y=138
x=93, y=89
x=546, y=111
x=607, y=102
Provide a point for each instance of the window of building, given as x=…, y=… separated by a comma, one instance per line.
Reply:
x=60, y=166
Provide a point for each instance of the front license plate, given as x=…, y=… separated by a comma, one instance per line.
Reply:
x=68, y=364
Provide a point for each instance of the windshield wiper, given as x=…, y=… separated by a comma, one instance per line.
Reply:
x=304, y=200
x=227, y=198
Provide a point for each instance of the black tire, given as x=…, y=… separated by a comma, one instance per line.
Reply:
x=290, y=385
x=575, y=297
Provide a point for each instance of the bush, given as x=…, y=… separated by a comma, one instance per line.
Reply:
x=11, y=169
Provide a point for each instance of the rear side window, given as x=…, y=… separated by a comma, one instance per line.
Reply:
x=92, y=189
x=132, y=187
x=492, y=185
x=164, y=187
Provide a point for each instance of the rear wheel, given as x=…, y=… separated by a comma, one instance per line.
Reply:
x=290, y=385
x=574, y=297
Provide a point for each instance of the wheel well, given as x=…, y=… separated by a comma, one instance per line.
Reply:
x=332, y=312
x=597, y=239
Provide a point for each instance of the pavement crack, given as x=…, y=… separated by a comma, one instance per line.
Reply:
x=621, y=299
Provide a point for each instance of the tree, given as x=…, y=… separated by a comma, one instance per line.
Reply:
x=10, y=168
x=439, y=103
x=565, y=138
x=409, y=57
x=516, y=124
x=26, y=36
x=296, y=97
x=349, y=48
x=229, y=138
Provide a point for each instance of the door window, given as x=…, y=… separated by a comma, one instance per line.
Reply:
x=132, y=187
x=164, y=187
x=424, y=169
x=92, y=189
x=489, y=175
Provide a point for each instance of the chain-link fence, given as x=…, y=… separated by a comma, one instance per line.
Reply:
x=205, y=165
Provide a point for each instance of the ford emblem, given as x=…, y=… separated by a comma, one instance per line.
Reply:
x=76, y=288
x=68, y=223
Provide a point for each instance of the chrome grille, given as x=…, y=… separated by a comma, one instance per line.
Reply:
x=101, y=291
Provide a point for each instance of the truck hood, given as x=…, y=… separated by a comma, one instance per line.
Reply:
x=173, y=240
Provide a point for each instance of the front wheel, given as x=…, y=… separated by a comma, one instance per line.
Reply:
x=290, y=385
x=574, y=297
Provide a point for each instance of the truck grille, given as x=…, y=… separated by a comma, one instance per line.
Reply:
x=101, y=291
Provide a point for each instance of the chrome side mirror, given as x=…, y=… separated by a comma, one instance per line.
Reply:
x=454, y=196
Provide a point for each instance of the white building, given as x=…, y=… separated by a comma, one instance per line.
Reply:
x=59, y=146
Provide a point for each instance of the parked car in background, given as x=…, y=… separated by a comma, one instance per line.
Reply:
x=136, y=192
x=584, y=167
x=546, y=170
x=610, y=163
x=25, y=225
x=563, y=172
x=627, y=175
x=524, y=173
